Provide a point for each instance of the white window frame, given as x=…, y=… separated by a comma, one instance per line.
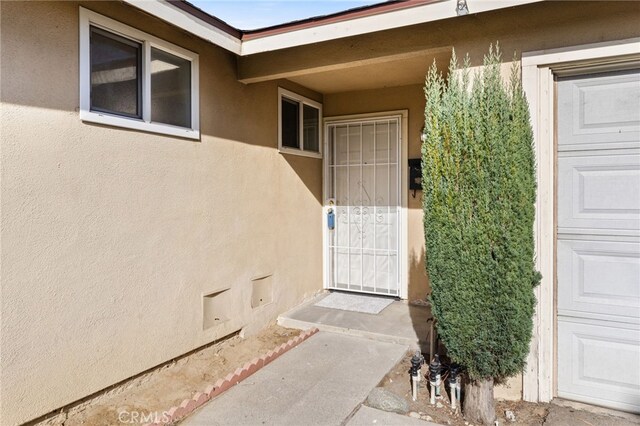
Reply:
x=284, y=93
x=89, y=19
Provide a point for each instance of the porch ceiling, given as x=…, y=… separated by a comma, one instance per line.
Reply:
x=389, y=72
x=401, y=56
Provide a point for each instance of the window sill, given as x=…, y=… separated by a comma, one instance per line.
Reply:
x=134, y=124
x=300, y=153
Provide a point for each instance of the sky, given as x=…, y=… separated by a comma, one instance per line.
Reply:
x=252, y=14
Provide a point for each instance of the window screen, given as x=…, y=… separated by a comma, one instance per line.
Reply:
x=170, y=89
x=311, y=129
x=290, y=116
x=115, y=74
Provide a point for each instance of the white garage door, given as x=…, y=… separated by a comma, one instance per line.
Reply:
x=598, y=251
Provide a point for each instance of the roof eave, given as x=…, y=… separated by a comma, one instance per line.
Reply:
x=418, y=13
x=313, y=30
x=191, y=22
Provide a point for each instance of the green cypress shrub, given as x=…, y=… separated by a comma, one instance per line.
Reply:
x=479, y=193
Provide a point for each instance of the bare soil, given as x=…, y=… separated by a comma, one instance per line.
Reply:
x=397, y=381
x=165, y=387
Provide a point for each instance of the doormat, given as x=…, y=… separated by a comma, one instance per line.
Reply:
x=355, y=303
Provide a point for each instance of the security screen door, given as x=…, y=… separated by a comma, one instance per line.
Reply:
x=362, y=187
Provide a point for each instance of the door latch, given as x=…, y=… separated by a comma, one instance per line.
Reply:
x=331, y=219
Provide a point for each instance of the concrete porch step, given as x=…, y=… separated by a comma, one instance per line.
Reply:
x=399, y=323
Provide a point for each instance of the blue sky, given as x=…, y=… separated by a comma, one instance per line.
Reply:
x=252, y=14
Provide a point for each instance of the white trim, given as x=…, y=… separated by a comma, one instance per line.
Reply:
x=420, y=13
x=89, y=18
x=404, y=206
x=302, y=100
x=538, y=69
x=185, y=21
x=403, y=245
x=588, y=52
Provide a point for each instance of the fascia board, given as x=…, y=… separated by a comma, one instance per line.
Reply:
x=433, y=11
x=189, y=23
x=368, y=24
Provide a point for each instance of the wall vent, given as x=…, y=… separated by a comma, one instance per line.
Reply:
x=261, y=290
x=216, y=308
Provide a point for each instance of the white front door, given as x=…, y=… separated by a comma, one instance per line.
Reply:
x=362, y=186
x=598, y=246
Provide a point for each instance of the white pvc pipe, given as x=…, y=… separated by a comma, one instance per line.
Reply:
x=453, y=396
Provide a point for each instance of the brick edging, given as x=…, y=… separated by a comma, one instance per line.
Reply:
x=187, y=406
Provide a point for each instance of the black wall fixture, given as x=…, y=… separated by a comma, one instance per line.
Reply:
x=415, y=175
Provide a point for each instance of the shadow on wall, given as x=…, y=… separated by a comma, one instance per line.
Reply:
x=419, y=311
x=309, y=170
x=231, y=113
x=228, y=109
x=419, y=286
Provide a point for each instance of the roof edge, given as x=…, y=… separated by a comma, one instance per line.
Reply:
x=352, y=22
x=401, y=14
x=345, y=15
x=207, y=17
x=189, y=18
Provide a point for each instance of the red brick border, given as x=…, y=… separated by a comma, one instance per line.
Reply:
x=200, y=398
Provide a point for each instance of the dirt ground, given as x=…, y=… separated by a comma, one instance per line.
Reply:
x=170, y=385
x=397, y=381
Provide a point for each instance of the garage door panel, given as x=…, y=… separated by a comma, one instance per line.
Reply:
x=599, y=192
x=598, y=239
x=599, y=277
x=597, y=110
x=599, y=362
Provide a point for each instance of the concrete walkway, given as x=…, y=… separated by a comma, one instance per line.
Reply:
x=322, y=381
x=399, y=322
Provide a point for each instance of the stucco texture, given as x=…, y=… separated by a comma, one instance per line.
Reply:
x=111, y=237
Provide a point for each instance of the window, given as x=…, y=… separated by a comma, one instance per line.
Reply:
x=131, y=79
x=299, y=124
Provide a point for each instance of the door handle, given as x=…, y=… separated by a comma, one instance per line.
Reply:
x=331, y=219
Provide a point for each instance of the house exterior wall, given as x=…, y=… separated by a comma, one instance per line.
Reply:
x=110, y=237
x=530, y=28
x=540, y=26
x=410, y=98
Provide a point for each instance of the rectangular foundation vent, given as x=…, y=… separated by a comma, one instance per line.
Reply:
x=216, y=308
x=261, y=290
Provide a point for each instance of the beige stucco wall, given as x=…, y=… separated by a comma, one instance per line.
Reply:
x=111, y=237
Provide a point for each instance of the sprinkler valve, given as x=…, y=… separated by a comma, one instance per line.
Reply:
x=416, y=362
x=435, y=374
x=454, y=386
